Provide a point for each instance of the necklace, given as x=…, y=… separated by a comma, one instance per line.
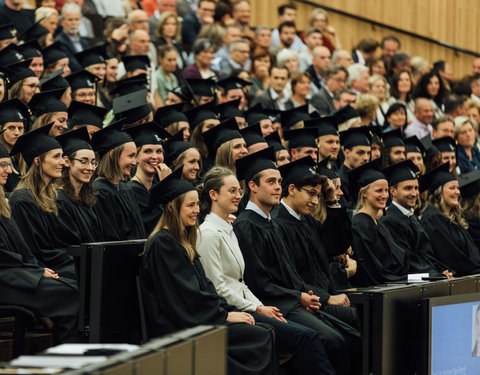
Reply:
x=139, y=180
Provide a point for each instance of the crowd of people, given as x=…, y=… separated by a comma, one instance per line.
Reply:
x=267, y=169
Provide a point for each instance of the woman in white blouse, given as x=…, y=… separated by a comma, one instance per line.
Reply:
x=224, y=265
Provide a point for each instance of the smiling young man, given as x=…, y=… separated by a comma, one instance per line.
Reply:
x=402, y=223
x=269, y=268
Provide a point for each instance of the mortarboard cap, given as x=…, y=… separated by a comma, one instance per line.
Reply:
x=435, y=178
x=7, y=31
x=365, y=175
x=20, y=71
x=444, y=144
x=167, y=115
x=233, y=83
x=202, y=87
x=182, y=92
x=252, y=135
x=13, y=110
x=273, y=140
x=149, y=133
x=356, y=137
x=256, y=114
x=53, y=53
x=345, y=113
x=250, y=165
x=54, y=81
x=393, y=138
x=47, y=102
x=4, y=74
x=3, y=151
x=430, y=149
x=297, y=171
x=74, y=141
x=10, y=55
x=377, y=134
x=108, y=138
x=403, y=171
x=218, y=135
x=322, y=169
x=34, y=32
x=323, y=125
x=86, y=114
x=169, y=188
x=82, y=80
x=469, y=184
x=30, y=49
x=91, y=56
x=229, y=110
x=174, y=146
x=413, y=144
x=201, y=113
x=35, y=143
x=135, y=62
x=132, y=107
x=128, y=85
x=301, y=138
x=291, y=117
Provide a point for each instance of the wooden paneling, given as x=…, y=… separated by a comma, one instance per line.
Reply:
x=449, y=21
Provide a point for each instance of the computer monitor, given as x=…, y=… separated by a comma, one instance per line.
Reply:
x=452, y=335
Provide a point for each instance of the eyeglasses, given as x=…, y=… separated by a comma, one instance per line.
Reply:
x=4, y=165
x=312, y=194
x=235, y=191
x=86, y=162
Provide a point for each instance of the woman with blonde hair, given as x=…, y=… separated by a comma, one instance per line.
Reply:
x=48, y=18
x=168, y=32
x=179, y=153
x=445, y=224
x=381, y=89
x=177, y=292
x=367, y=106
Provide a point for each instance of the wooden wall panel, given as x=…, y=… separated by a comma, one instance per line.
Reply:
x=446, y=20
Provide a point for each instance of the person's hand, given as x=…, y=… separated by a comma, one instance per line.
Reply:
x=329, y=193
x=240, y=317
x=207, y=20
x=351, y=267
x=47, y=272
x=330, y=29
x=270, y=312
x=120, y=34
x=448, y=274
x=310, y=302
x=339, y=300
x=162, y=171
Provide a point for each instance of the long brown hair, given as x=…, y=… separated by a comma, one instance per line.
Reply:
x=171, y=221
x=471, y=206
x=4, y=206
x=214, y=179
x=455, y=215
x=224, y=158
x=109, y=167
x=43, y=120
x=44, y=194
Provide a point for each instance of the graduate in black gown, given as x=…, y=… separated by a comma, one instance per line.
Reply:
x=148, y=139
x=24, y=279
x=470, y=202
x=170, y=118
x=269, y=268
x=177, y=293
x=76, y=197
x=445, y=224
x=379, y=258
x=301, y=192
x=404, y=226
x=34, y=205
x=116, y=205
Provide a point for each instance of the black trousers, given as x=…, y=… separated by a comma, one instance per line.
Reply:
x=308, y=354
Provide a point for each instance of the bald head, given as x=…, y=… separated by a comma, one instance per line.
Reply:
x=342, y=57
x=423, y=110
x=138, y=20
x=321, y=59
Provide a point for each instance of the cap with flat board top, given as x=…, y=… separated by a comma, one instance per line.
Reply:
x=35, y=143
x=134, y=62
x=196, y=115
x=322, y=169
x=257, y=113
x=413, y=144
x=323, y=125
x=4, y=74
x=232, y=83
x=252, y=135
x=10, y=55
x=54, y=81
x=430, y=150
x=132, y=107
x=469, y=184
x=293, y=116
x=110, y=137
x=169, y=188
x=86, y=114
x=436, y=177
x=74, y=141
x=149, y=133
x=377, y=134
x=297, y=171
x=47, y=102
x=273, y=140
x=34, y=32
x=3, y=151
x=30, y=49
x=174, y=146
x=218, y=135
x=183, y=92
x=301, y=138
x=7, y=31
x=169, y=114
x=82, y=80
x=444, y=144
x=53, y=53
x=365, y=175
x=345, y=113
x=20, y=71
x=399, y=172
x=250, y=165
x=393, y=138
x=13, y=110
x=128, y=85
x=202, y=87
x=230, y=110
x=91, y=56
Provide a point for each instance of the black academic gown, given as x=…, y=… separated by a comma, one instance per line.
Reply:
x=452, y=245
x=474, y=229
x=379, y=259
x=409, y=234
x=46, y=234
x=150, y=215
x=178, y=295
x=85, y=223
x=22, y=283
x=347, y=200
x=118, y=211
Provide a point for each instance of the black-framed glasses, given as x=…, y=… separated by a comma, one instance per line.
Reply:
x=86, y=162
x=312, y=193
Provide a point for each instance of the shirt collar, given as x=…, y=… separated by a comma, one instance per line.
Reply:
x=252, y=206
x=290, y=211
x=403, y=210
x=218, y=222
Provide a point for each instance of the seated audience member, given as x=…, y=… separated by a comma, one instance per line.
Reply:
x=224, y=265
x=287, y=13
x=237, y=59
x=395, y=118
x=167, y=32
x=367, y=106
x=323, y=99
x=274, y=97
x=166, y=79
x=192, y=22
x=430, y=86
x=170, y=267
x=468, y=156
x=445, y=224
x=364, y=50
x=470, y=203
x=301, y=86
x=358, y=79
x=313, y=38
x=424, y=116
x=319, y=67
x=319, y=20
x=262, y=61
x=379, y=88
x=203, y=51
